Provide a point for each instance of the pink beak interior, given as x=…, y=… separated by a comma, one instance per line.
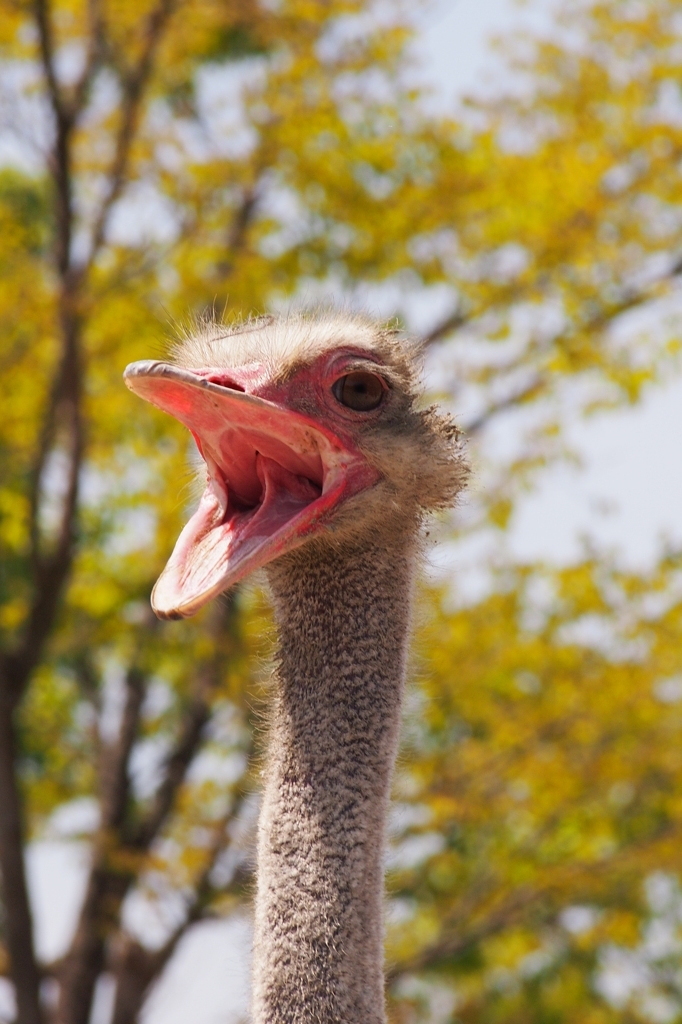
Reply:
x=274, y=476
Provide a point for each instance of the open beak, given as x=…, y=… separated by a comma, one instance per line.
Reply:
x=274, y=476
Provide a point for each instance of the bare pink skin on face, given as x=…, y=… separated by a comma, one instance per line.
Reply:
x=274, y=475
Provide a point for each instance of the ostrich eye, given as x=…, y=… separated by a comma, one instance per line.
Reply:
x=359, y=390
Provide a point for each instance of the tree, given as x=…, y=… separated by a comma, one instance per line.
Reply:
x=549, y=215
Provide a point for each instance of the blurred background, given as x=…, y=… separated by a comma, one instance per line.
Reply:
x=518, y=205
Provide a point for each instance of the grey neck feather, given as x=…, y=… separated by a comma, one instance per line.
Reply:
x=343, y=624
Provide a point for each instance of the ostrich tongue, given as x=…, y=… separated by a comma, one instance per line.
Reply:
x=273, y=477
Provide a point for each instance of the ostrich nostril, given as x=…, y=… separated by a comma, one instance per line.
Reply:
x=225, y=381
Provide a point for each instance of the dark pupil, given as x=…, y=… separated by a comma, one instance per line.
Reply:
x=359, y=391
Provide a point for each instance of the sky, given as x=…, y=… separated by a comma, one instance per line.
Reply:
x=454, y=40
x=627, y=495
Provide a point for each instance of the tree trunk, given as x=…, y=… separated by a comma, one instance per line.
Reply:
x=18, y=918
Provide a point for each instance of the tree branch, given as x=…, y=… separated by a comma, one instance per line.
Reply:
x=46, y=44
x=96, y=48
x=113, y=773
x=523, y=394
x=121, y=844
x=18, y=918
x=236, y=235
x=63, y=410
x=133, y=90
x=51, y=568
x=455, y=942
x=60, y=159
x=140, y=836
x=136, y=968
x=630, y=299
x=106, y=888
x=445, y=327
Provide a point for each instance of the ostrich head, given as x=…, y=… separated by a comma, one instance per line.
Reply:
x=312, y=433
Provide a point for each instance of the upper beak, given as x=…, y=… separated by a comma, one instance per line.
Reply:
x=274, y=476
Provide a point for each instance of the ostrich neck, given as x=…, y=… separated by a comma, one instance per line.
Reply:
x=343, y=622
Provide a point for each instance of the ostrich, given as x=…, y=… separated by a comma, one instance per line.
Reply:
x=320, y=466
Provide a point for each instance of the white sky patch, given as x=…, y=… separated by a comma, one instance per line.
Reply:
x=143, y=217
x=221, y=93
x=78, y=817
x=57, y=874
x=8, y=1006
x=207, y=981
x=452, y=47
x=627, y=496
